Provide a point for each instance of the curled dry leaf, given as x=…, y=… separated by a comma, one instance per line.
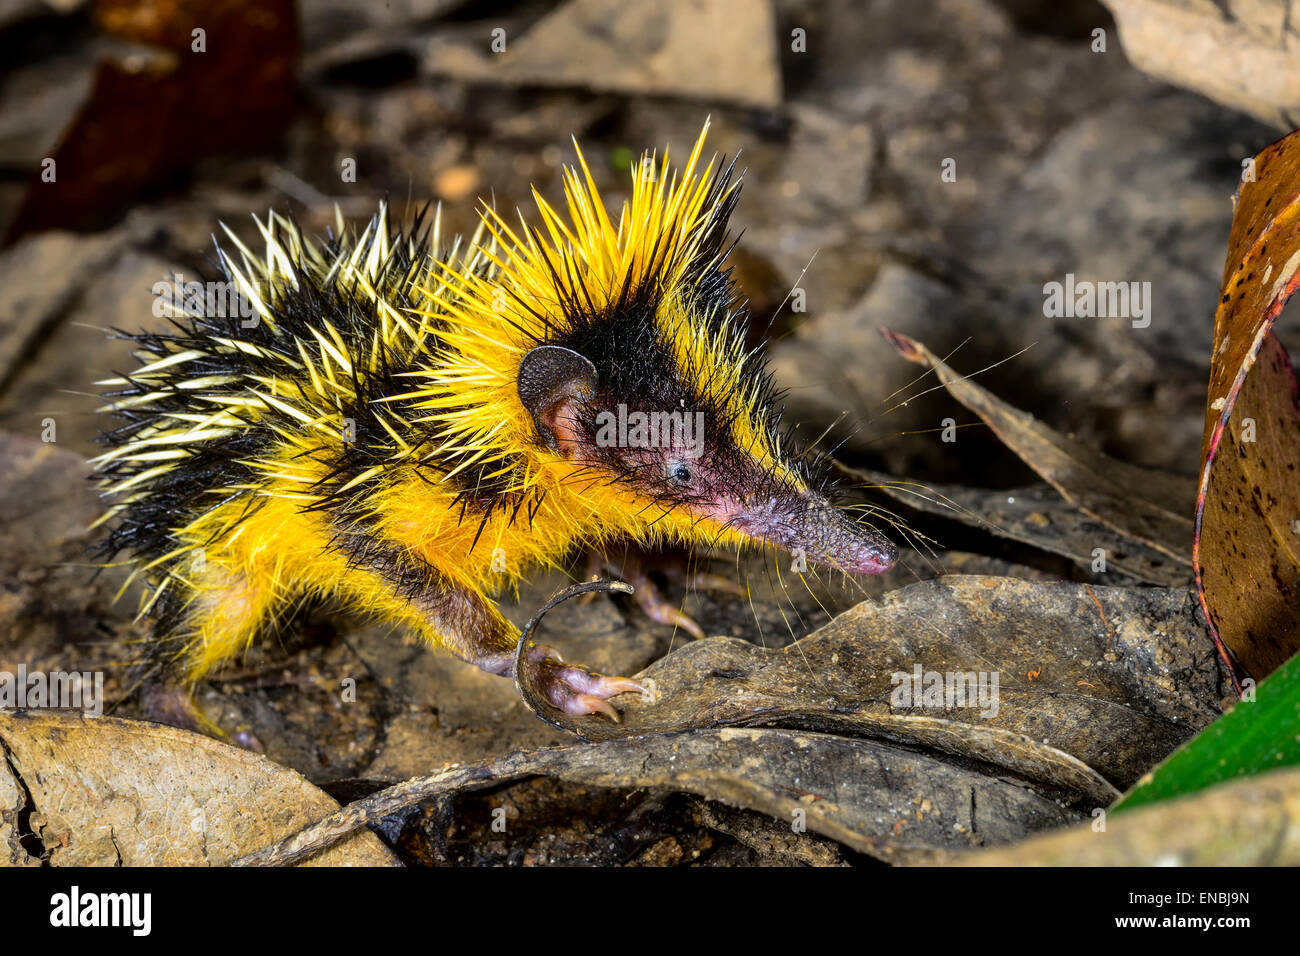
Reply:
x=1255, y=736
x=877, y=798
x=1247, y=551
x=1239, y=54
x=1068, y=659
x=1252, y=822
x=1143, y=504
x=85, y=791
x=1034, y=515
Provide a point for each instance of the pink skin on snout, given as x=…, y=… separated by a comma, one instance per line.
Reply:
x=809, y=524
x=797, y=522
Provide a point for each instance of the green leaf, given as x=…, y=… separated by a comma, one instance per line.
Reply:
x=1254, y=737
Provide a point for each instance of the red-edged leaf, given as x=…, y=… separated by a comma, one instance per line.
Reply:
x=1247, y=549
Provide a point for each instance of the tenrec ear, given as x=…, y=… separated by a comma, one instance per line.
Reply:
x=551, y=378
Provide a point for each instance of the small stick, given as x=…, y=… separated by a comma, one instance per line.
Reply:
x=345, y=821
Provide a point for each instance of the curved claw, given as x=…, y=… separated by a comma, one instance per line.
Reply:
x=657, y=609
x=651, y=600
x=703, y=580
x=633, y=568
x=584, y=681
x=577, y=690
x=579, y=705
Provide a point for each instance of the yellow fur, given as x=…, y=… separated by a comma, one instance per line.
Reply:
x=261, y=553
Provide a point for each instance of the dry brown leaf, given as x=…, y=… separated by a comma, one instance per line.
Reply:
x=1141, y=503
x=875, y=797
x=1252, y=822
x=1247, y=551
x=1069, y=658
x=713, y=49
x=86, y=791
x=1239, y=54
x=147, y=108
x=1035, y=515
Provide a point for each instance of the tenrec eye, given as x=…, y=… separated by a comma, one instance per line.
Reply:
x=679, y=474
